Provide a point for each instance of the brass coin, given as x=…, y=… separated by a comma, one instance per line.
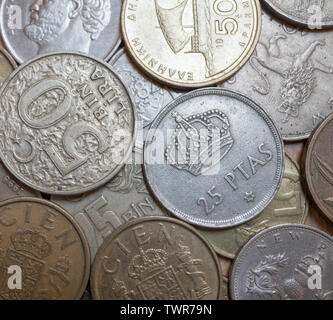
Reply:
x=190, y=44
x=7, y=65
x=290, y=205
x=49, y=247
x=156, y=258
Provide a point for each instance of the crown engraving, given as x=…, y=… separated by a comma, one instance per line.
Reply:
x=199, y=142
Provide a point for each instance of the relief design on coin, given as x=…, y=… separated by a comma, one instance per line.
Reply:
x=213, y=158
x=47, y=245
x=67, y=123
x=191, y=43
x=289, y=75
x=278, y=264
x=31, y=27
x=156, y=258
x=7, y=65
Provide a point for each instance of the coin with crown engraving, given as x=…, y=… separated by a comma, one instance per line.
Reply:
x=68, y=123
x=7, y=65
x=45, y=244
x=290, y=205
x=156, y=258
x=32, y=27
x=213, y=158
x=286, y=262
x=190, y=44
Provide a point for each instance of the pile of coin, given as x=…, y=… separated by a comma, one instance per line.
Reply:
x=173, y=166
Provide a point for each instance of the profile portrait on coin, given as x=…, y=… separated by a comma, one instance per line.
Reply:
x=63, y=24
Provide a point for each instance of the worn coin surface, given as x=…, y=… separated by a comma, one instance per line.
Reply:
x=49, y=247
x=290, y=76
x=7, y=65
x=290, y=205
x=319, y=167
x=190, y=44
x=32, y=27
x=214, y=158
x=278, y=264
x=314, y=14
x=67, y=123
x=123, y=199
x=156, y=258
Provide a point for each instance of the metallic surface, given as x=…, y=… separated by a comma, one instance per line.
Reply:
x=69, y=126
x=190, y=44
x=275, y=265
x=32, y=27
x=156, y=258
x=7, y=65
x=290, y=76
x=225, y=289
x=290, y=205
x=238, y=177
x=48, y=246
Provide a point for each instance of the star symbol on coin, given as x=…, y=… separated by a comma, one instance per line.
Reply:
x=249, y=196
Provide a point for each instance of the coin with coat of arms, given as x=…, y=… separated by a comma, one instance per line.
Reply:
x=213, y=158
x=190, y=44
x=7, y=65
x=45, y=248
x=156, y=258
x=286, y=262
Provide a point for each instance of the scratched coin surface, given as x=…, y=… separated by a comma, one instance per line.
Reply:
x=290, y=205
x=213, y=158
x=314, y=14
x=123, y=199
x=67, y=123
x=319, y=167
x=32, y=27
x=279, y=264
x=156, y=258
x=49, y=247
x=190, y=44
x=7, y=65
x=290, y=75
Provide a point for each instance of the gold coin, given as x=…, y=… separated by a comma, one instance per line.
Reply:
x=290, y=205
x=7, y=65
x=45, y=247
x=190, y=44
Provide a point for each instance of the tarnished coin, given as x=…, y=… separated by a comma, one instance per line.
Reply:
x=290, y=76
x=314, y=14
x=42, y=241
x=319, y=167
x=149, y=97
x=290, y=205
x=67, y=123
x=32, y=27
x=7, y=65
x=123, y=199
x=156, y=258
x=284, y=263
x=214, y=158
x=190, y=44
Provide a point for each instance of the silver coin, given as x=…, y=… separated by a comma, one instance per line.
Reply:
x=290, y=76
x=287, y=262
x=31, y=27
x=67, y=123
x=123, y=199
x=149, y=97
x=314, y=14
x=213, y=158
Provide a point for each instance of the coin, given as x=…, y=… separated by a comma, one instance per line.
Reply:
x=225, y=289
x=318, y=167
x=68, y=123
x=7, y=65
x=290, y=205
x=213, y=158
x=190, y=44
x=149, y=96
x=32, y=27
x=284, y=263
x=47, y=246
x=314, y=14
x=101, y=212
x=156, y=258
x=289, y=75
